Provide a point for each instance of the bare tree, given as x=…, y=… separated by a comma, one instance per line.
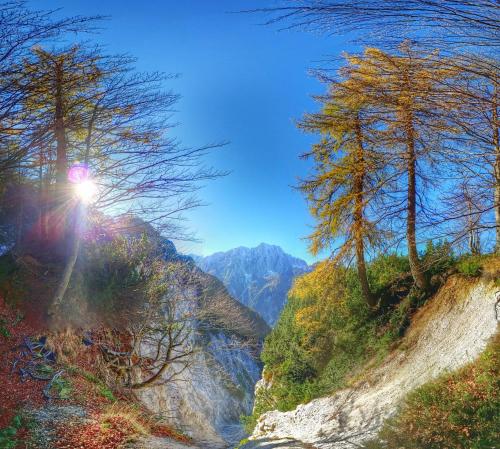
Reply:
x=472, y=153
x=159, y=334
x=160, y=337
x=96, y=115
x=466, y=202
x=21, y=28
x=446, y=24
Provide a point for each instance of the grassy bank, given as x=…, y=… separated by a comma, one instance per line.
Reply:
x=460, y=410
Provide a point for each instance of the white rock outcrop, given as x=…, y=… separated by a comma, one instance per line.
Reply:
x=449, y=331
x=207, y=400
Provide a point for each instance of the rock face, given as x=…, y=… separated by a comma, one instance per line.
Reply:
x=449, y=331
x=257, y=277
x=207, y=400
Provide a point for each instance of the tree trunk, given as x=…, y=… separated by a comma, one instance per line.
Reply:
x=70, y=262
x=415, y=265
x=358, y=190
x=59, y=128
x=496, y=144
x=472, y=223
x=77, y=226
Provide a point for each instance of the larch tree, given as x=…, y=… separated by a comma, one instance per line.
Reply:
x=466, y=32
x=344, y=178
x=408, y=94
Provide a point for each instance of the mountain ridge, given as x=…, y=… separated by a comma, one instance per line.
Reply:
x=258, y=277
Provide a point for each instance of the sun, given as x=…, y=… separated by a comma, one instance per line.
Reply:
x=86, y=191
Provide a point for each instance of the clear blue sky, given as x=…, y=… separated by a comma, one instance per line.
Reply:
x=240, y=82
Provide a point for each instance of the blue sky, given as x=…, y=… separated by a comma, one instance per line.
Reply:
x=240, y=82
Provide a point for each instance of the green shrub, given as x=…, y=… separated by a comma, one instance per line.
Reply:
x=438, y=257
x=103, y=389
x=106, y=393
x=89, y=376
x=470, y=265
x=4, y=332
x=116, y=272
x=63, y=388
x=385, y=270
x=7, y=266
x=460, y=410
x=242, y=443
x=8, y=435
x=249, y=422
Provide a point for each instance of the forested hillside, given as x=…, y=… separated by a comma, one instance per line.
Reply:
x=327, y=336
x=434, y=387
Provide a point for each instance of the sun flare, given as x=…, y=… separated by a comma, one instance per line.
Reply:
x=86, y=191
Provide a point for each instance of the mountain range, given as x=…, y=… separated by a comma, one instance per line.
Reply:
x=258, y=277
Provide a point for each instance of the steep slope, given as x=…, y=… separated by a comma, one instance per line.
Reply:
x=449, y=331
x=207, y=400
x=258, y=277
x=225, y=338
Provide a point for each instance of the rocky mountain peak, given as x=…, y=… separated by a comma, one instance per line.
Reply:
x=258, y=277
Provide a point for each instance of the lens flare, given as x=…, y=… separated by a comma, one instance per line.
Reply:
x=86, y=191
x=78, y=173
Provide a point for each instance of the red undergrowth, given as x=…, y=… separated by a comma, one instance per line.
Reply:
x=14, y=393
x=108, y=433
x=106, y=427
x=168, y=432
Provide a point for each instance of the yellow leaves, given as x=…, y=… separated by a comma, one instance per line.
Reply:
x=309, y=318
x=313, y=286
x=126, y=134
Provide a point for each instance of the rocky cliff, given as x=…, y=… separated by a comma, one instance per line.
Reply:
x=257, y=277
x=449, y=331
x=207, y=400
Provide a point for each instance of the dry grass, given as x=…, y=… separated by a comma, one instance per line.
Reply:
x=130, y=413
x=66, y=343
x=491, y=268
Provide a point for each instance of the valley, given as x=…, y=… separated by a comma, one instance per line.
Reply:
x=249, y=224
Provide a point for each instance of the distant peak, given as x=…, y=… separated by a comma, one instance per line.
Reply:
x=261, y=250
x=258, y=277
x=269, y=245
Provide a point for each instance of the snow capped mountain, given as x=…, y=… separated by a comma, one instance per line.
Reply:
x=258, y=277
